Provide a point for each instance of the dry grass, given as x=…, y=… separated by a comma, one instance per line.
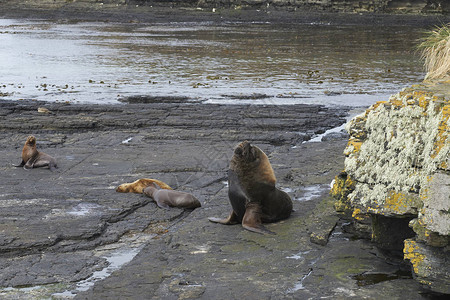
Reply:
x=435, y=48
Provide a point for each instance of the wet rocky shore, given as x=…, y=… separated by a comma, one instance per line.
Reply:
x=63, y=231
x=69, y=234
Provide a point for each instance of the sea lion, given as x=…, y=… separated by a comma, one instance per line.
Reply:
x=170, y=198
x=32, y=158
x=139, y=185
x=251, y=189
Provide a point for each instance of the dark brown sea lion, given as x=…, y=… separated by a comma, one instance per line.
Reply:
x=170, y=198
x=139, y=185
x=32, y=158
x=252, y=192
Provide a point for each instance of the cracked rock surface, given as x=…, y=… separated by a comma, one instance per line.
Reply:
x=57, y=226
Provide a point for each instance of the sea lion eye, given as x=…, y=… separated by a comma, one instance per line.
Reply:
x=238, y=151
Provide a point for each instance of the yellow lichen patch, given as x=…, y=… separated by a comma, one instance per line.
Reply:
x=419, y=93
x=401, y=203
x=443, y=129
x=424, y=101
x=342, y=185
x=338, y=186
x=440, y=143
x=353, y=146
x=358, y=215
x=350, y=183
x=411, y=252
x=423, y=193
x=375, y=106
x=374, y=210
x=446, y=112
x=396, y=102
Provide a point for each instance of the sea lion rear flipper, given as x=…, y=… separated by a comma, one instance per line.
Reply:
x=231, y=220
x=252, y=219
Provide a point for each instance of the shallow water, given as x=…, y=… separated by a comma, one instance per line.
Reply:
x=226, y=63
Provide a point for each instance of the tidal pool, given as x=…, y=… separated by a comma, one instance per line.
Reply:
x=92, y=62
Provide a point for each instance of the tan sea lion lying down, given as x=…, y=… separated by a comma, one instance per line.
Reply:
x=252, y=192
x=32, y=158
x=170, y=198
x=139, y=185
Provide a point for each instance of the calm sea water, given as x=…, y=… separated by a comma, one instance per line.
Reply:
x=226, y=63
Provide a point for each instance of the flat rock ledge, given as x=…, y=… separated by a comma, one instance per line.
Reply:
x=68, y=234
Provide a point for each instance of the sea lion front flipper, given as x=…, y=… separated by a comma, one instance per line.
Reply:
x=231, y=220
x=162, y=204
x=252, y=219
x=29, y=164
x=21, y=165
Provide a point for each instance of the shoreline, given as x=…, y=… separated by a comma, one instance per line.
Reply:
x=78, y=12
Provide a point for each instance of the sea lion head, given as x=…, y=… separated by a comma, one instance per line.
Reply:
x=123, y=188
x=246, y=152
x=251, y=163
x=246, y=157
x=150, y=189
x=31, y=141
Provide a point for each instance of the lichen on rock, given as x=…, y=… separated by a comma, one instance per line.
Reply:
x=398, y=160
x=404, y=146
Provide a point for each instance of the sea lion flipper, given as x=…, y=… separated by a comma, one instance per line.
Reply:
x=258, y=229
x=231, y=220
x=29, y=164
x=252, y=219
x=162, y=204
x=21, y=165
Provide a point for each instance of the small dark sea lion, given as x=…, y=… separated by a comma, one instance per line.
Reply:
x=170, y=198
x=252, y=192
x=32, y=158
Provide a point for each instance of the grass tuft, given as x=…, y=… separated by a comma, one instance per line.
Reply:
x=435, y=51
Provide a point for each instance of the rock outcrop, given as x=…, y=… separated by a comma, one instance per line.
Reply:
x=396, y=183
